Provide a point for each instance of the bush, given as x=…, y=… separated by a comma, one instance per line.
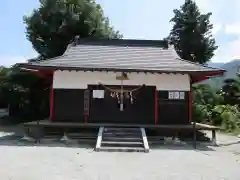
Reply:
x=226, y=116
x=201, y=113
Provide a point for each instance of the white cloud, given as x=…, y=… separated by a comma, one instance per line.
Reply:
x=226, y=21
x=231, y=49
x=233, y=28
x=204, y=5
x=234, y=48
x=227, y=52
x=216, y=28
x=11, y=60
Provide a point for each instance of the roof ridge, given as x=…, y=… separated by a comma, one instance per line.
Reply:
x=171, y=47
x=198, y=64
x=120, y=42
x=46, y=60
x=147, y=57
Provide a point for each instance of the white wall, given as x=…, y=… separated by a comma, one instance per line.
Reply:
x=80, y=80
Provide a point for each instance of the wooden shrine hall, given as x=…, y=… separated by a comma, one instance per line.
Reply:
x=121, y=87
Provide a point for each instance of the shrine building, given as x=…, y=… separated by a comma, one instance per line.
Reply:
x=121, y=82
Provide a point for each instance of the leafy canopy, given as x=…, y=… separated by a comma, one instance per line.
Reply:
x=231, y=91
x=191, y=33
x=54, y=25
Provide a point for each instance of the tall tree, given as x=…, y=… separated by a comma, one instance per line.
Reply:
x=191, y=33
x=231, y=91
x=24, y=93
x=51, y=27
x=205, y=95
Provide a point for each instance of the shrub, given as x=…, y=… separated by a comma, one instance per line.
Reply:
x=226, y=116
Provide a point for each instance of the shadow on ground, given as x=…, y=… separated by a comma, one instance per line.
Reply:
x=14, y=136
x=17, y=129
x=229, y=143
x=185, y=146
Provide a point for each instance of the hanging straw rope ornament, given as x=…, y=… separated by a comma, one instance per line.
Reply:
x=119, y=90
x=119, y=93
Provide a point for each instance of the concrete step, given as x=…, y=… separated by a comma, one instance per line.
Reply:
x=121, y=129
x=125, y=134
x=121, y=149
x=126, y=139
x=122, y=139
x=114, y=143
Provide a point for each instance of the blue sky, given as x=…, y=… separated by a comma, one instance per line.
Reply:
x=141, y=19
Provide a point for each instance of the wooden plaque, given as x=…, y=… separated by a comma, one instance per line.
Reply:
x=86, y=102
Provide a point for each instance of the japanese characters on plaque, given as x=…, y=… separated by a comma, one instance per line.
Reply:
x=176, y=95
x=98, y=94
x=86, y=102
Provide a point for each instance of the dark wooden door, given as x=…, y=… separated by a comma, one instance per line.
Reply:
x=172, y=111
x=107, y=110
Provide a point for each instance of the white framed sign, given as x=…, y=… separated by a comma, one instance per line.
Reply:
x=170, y=95
x=176, y=95
x=182, y=95
x=98, y=94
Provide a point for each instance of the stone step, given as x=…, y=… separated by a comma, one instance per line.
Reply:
x=130, y=134
x=121, y=143
x=128, y=139
x=122, y=149
x=121, y=129
x=122, y=139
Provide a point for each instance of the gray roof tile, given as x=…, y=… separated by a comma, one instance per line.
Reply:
x=139, y=55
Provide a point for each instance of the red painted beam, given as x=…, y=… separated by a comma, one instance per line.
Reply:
x=196, y=79
x=51, y=102
x=156, y=106
x=44, y=74
x=199, y=79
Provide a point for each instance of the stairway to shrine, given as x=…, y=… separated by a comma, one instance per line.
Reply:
x=122, y=139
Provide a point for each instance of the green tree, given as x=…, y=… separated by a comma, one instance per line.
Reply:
x=227, y=116
x=191, y=33
x=24, y=93
x=205, y=95
x=54, y=25
x=231, y=91
x=204, y=100
x=4, y=87
x=50, y=28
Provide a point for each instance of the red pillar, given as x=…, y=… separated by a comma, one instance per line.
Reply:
x=156, y=106
x=51, y=102
x=85, y=118
x=190, y=105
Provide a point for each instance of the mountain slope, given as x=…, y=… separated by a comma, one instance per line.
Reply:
x=232, y=68
x=215, y=65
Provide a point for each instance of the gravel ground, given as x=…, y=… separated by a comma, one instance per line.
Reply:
x=19, y=161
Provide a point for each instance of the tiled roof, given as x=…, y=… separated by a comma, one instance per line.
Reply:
x=141, y=55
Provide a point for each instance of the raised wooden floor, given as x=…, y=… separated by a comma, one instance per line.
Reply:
x=48, y=123
x=65, y=126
